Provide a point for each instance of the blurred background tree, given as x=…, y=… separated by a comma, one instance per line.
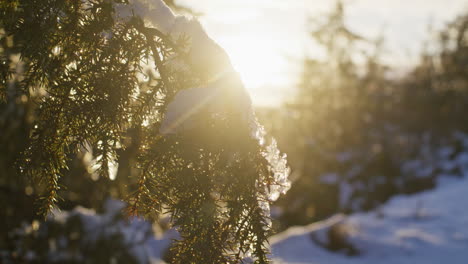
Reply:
x=353, y=128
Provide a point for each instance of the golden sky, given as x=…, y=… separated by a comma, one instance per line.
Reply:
x=266, y=39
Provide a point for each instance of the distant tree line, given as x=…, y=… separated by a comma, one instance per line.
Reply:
x=353, y=125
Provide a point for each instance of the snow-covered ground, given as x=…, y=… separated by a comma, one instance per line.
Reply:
x=428, y=227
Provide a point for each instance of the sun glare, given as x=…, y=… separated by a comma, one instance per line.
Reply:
x=257, y=60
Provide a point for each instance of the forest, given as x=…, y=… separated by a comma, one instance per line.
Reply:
x=129, y=134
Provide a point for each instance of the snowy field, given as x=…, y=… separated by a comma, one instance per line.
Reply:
x=429, y=227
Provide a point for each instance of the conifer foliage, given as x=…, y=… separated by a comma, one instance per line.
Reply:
x=92, y=76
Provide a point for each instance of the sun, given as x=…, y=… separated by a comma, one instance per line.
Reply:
x=257, y=60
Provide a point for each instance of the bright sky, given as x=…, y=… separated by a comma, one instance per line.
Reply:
x=267, y=38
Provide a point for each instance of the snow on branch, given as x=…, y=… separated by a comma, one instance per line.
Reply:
x=222, y=93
